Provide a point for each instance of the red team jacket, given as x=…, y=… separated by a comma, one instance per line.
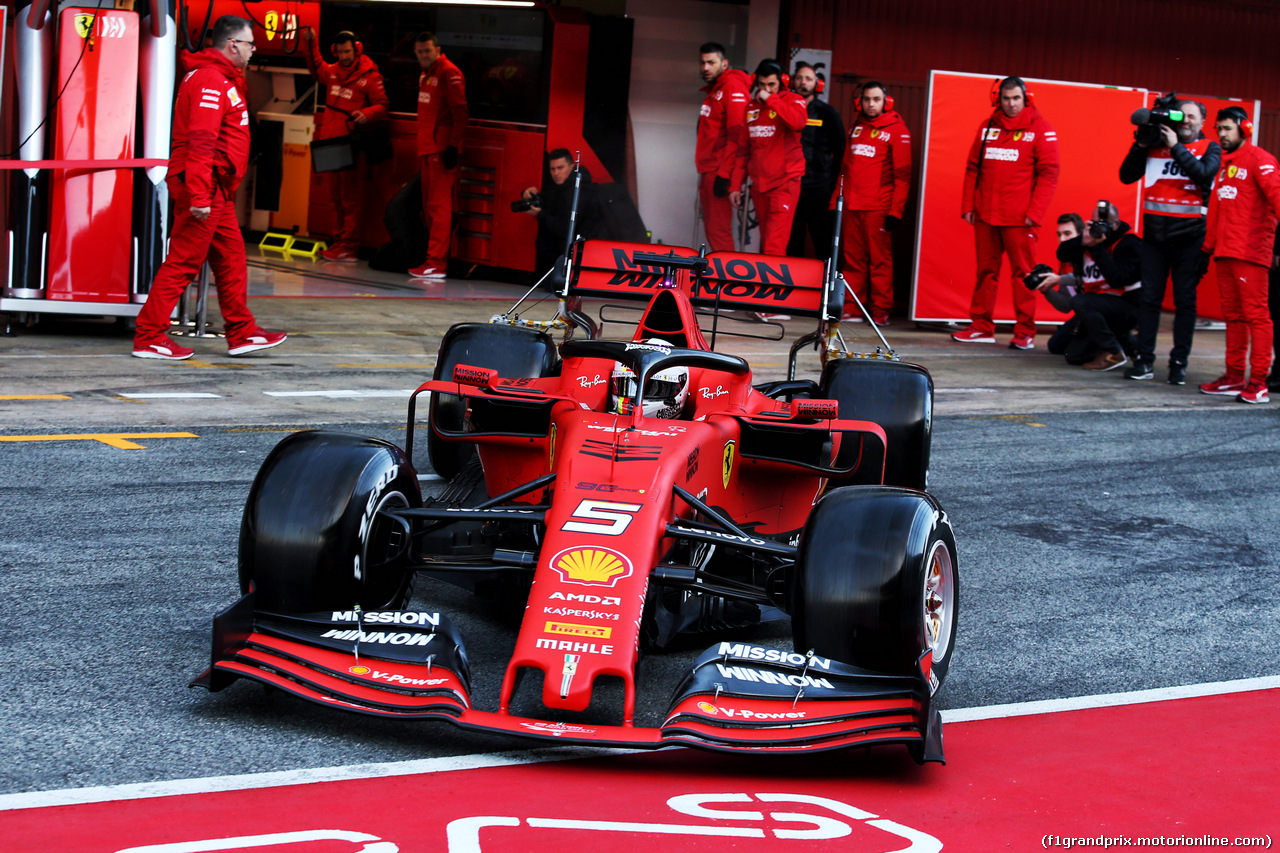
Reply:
x=1243, y=206
x=347, y=90
x=210, y=127
x=769, y=145
x=720, y=122
x=877, y=165
x=442, y=107
x=1012, y=170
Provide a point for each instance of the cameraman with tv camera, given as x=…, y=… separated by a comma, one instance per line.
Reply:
x=1108, y=260
x=1179, y=165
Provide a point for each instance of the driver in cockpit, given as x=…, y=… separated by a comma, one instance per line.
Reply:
x=665, y=392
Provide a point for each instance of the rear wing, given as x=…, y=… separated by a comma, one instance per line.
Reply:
x=767, y=283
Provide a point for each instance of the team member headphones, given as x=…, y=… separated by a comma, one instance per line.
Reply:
x=873, y=84
x=1240, y=117
x=344, y=37
x=773, y=68
x=1001, y=83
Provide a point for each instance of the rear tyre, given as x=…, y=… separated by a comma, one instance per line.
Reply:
x=876, y=581
x=311, y=539
x=512, y=351
x=899, y=397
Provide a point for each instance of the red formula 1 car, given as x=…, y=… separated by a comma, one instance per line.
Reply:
x=628, y=492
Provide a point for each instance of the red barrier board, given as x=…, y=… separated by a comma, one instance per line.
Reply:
x=1188, y=769
x=1094, y=134
x=91, y=211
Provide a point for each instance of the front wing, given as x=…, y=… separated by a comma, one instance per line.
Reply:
x=737, y=696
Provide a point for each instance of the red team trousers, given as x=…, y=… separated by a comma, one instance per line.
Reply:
x=991, y=242
x=775, y=210
x=868, y=259
x=1242, y=287
x=217, y=239
x=717, y=215
x=437, y=208
x=346, y=192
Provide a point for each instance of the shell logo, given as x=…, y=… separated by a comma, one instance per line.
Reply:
x=359, y=670
x=707, y=708
x=602, y=566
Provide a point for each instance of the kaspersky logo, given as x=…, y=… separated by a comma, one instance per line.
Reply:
x=602, y=566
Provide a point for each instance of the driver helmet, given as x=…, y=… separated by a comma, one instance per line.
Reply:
x=664, y=394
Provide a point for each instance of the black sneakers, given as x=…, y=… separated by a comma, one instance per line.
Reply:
x=1140, y=370
x=1177, y=374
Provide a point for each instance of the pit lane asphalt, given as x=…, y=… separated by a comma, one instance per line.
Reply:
x=1112, y=536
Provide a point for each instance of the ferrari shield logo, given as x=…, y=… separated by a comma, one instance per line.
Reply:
x=84, y=25
x=874, y=133
x=269, y=24
x=1017, y=135
x=1231, y=171
x=772, y=114
x=602, y=566
x=730, y=447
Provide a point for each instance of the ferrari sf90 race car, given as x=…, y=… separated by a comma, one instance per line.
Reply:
x=630, y=494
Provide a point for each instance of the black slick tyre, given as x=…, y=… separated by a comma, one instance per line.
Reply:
x=513, y=351
x=311, y=539
x=896, y=395
x=876, y=581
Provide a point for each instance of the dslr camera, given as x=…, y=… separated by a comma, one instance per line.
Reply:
x=1100, y=226
x=1035, y=278
x=1163, y=113
x=522, y=204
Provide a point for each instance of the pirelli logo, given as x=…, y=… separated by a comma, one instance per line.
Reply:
x=595, y=632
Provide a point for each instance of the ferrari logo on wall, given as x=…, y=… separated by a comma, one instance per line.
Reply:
x=727, y=467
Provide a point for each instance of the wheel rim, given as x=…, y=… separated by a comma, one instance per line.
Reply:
x=374, y=551
x=939, y=601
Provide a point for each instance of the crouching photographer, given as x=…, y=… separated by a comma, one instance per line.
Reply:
x=1179, y=165
x=1107, y=259
x=553, y=203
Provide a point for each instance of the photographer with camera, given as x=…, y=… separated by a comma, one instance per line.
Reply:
x=1108, y=260
x=1058, y=288
x=1178, y=164
x=552, y=207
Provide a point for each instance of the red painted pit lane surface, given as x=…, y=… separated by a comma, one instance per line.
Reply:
x=1181, y=768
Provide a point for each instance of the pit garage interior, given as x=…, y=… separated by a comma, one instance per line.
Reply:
x=615, y=80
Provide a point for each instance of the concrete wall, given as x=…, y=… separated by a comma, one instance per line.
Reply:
x=665, y=97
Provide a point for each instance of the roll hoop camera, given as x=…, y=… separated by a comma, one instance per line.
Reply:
x=1163, y=113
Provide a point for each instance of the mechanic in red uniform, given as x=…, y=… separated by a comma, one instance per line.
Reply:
x=876, y=176
x=354, y=96
x=720, y=121
x=208, y=158
x=769, y=152
x=1240, y=232
x=1008, y=183
x=442, y=124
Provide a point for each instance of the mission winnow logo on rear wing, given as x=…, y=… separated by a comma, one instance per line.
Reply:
x=731, y=279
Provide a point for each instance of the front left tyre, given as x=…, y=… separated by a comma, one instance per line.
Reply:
x=312, y=537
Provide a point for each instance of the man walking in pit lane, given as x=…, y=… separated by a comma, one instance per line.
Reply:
x=208, y=159
x=354, y=97
x=1008, y=183
x=442, y=125
x=876, y=177
x=720, y=121
x=1240, y=234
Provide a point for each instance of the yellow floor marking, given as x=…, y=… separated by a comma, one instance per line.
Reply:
x=120, y=440
x=35, y=397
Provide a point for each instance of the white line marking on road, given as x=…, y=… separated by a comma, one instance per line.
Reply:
x=194, y=395
x=212, y=784
x=336, y=395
